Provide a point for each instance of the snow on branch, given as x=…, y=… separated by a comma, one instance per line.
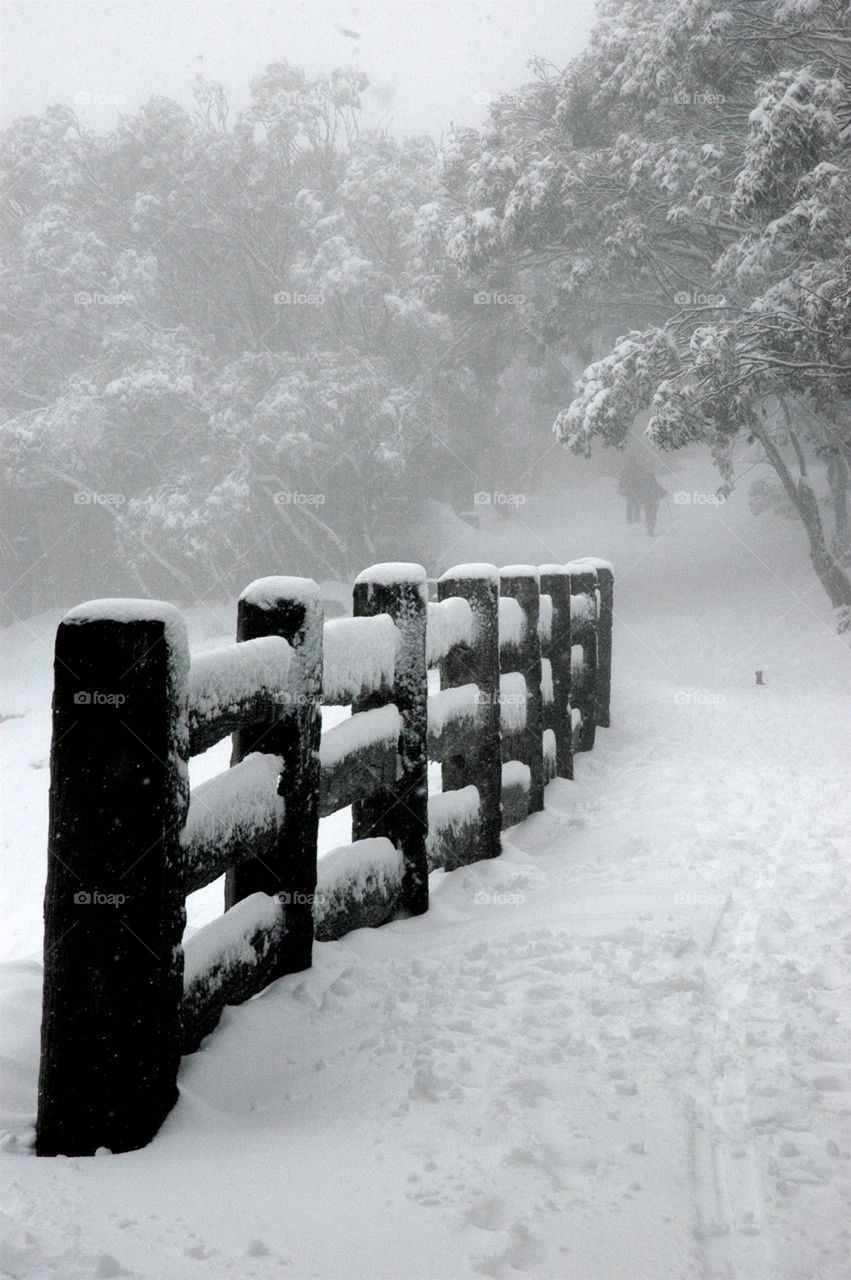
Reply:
x=613, y=391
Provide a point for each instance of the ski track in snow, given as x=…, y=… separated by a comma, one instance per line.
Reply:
x=619, y=1052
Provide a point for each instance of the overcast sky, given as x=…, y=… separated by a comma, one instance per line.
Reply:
x=430, y=63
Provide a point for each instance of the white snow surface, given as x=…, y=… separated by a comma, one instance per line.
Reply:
x=617, y=1052
x=227, y=940
x=512, y=621
x=452, y=808
x=583, y=608
x=380, y=724
x=513, y=692
x=518, y=571
x=545, y=617
x=596, y=562
x=351, y=862
x=244, y=797
x=225, y=677
x=546, y=680
x=349, y=873
x=359, y=655
x=121, y=609
x=265, y=592
x=391, y=574
x=452, y=704
x=450, y=622
x=516, y=774
x=124, y=609
x=487, y=571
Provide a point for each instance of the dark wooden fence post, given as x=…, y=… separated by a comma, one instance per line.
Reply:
x=288, y=607
x=555, y=582
x=114, y=906
x=520, y=582
x=583, y=582
x=605, y=581
x=478, y=664
x=401, y=813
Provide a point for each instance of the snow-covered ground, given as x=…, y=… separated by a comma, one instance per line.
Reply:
x=619, y=1052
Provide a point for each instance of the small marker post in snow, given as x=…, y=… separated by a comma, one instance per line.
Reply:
x=759, y=678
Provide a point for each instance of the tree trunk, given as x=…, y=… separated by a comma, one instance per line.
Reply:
x=832, y=575
x=834, y=579
x=837, y=477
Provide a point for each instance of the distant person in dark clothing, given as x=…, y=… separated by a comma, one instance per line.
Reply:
x=650, y=503
x=627, y=488
x=643, y=493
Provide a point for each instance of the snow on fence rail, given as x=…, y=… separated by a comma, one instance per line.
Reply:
x=524, y=662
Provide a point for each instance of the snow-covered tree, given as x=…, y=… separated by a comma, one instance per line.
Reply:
x=682, y=193
x=229, y=335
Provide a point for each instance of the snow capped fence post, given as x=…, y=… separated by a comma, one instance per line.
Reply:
x=478, y=663
x=114, y=904
x=291, y=608
x=555, y=582
x=400, y=812
x=520, y=582
x=127, y=843
x=606, y=583
x=583, y=624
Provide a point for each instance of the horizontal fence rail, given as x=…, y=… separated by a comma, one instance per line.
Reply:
x=521, y=678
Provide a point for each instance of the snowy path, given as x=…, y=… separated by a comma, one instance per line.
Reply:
x=619, y=1052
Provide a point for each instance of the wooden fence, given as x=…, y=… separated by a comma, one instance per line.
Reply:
x=522, y=679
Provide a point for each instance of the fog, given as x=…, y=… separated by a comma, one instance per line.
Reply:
x=430, y=65
x=500, y=928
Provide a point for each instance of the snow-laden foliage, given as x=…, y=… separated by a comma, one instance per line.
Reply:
x=614, y=390
x=797, y=120
x=232, y=341
x=690, y=174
